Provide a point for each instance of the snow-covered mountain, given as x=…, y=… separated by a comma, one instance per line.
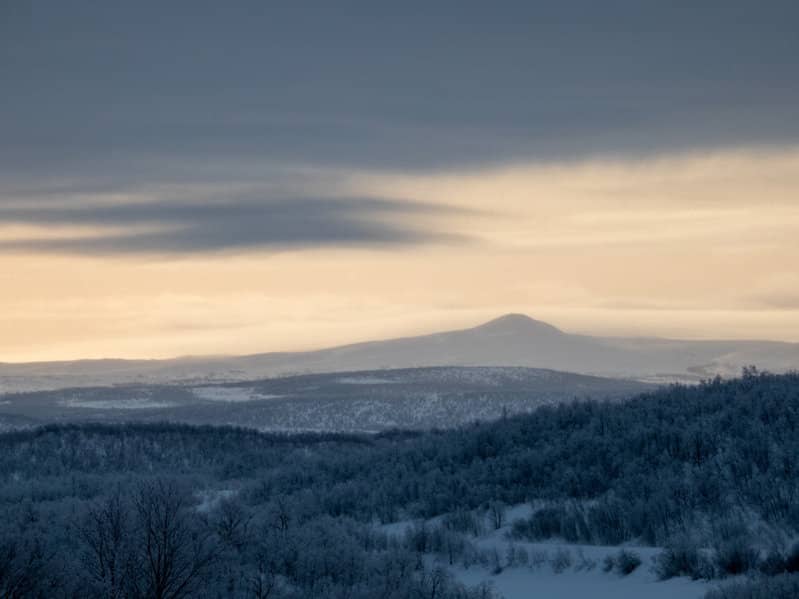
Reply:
x=511, y=340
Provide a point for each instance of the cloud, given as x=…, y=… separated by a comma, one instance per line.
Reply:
x=731, y=201
x=191, y=226
x=776, y=291
x=411, y=86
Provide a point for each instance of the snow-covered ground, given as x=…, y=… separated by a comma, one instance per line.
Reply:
x=370, y=401
x=555, y=570
x=211, y=498
x=363, y=380
x=140, y=403
x=584, y=577
x=543, y=583
x=230, y=394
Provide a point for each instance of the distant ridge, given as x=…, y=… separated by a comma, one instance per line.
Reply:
x=516, y=323
x=510, y=340
x=365, y=401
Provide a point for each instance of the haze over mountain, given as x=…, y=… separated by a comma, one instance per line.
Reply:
x=511, y=340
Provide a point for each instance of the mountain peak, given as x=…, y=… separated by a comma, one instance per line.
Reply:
x=518, y=323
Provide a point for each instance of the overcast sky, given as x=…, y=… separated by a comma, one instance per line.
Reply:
x=232, y=177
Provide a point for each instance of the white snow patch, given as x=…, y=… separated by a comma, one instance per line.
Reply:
x=579, y=579
x=143, y=403
x=527, y=583
x=520, y=511
x=230, y=394
x=210, y=498
x=363, y=380
x=583, y=578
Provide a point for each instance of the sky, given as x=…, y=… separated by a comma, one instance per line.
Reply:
x=223, y=178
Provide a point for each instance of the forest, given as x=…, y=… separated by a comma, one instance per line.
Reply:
x=706, y=472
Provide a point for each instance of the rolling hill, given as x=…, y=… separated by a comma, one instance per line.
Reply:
x=365, y=401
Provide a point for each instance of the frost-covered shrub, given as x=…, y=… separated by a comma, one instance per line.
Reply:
x=584, y=562
x=683, y=559
x=609, y=563
x=496, y=514
x=773, y=564
x=538, y=558
x=567, y=522
x=463, y=521
x=543, y=524
x=561, y=561
x=777, y=562
x=785, y=586
x=736, y=557
x=792, y=559
x=417, y=538
x=607, y=522
x=516, y=556
x=626, y=562
x=491, y=560
x=446, y=544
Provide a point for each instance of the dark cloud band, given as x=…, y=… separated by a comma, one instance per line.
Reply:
x=445, y=84
x=211, y=226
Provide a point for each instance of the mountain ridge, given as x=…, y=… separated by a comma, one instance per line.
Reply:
x=510, y=340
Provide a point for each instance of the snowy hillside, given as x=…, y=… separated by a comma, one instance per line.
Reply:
x=554, y=570
x=360, y=401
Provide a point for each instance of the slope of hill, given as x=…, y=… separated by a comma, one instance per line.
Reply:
x=511, y=340
x=700, y=479
x=419, y=398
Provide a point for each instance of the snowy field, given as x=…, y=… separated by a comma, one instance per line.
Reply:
x=367, y=401
x=543, y=583
x=363, y=380
x=141, y=403
x=554, y=570
x=230, y=394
